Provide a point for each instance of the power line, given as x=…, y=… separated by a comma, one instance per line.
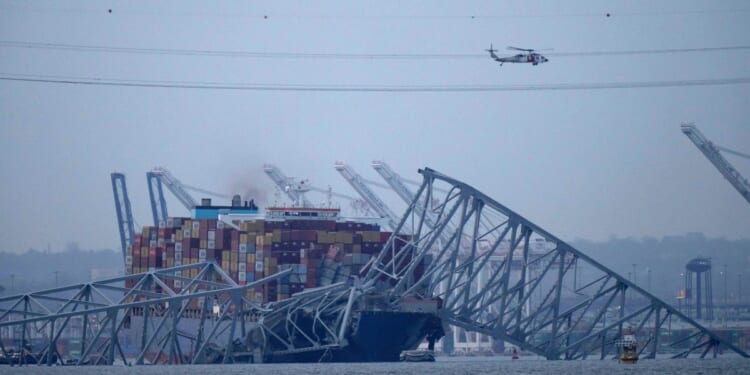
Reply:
x=648, y=51
x=367, y=56
x=367, y=88
x=360, y=16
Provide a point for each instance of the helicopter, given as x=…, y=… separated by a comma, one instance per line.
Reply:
x=530, y=56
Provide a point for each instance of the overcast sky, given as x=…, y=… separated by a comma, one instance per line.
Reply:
x=579, y=163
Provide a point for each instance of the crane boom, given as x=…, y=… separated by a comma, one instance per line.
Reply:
x=156, y=197
x=393, y=180
x=364, y=191
x=124, y=213
x=176, y=187
x=284, y=183
x=397, y=184
x=711, y=152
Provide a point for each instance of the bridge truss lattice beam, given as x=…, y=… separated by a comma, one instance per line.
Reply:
x=557, y=302
x=103, y=309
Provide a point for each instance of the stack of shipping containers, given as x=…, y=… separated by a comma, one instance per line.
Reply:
x=319, y=252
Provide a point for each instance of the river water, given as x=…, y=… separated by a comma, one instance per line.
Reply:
x=443, y=366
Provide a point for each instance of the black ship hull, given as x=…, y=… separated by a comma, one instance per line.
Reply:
x=379, y=336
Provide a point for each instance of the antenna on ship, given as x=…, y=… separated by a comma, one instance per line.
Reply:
x=301, y=189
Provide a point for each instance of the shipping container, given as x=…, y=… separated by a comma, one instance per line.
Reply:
x=319, y=252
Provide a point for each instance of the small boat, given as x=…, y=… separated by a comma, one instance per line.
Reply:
x=417, y=356
x=629, y=348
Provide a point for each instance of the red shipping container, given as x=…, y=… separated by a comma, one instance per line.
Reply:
x=151, y=257
x=203, y=232
x=220, y=239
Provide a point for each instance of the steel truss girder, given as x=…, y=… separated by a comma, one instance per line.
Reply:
x=105, y=307
x=397, y=184
x=558, y=302
x=318, y=319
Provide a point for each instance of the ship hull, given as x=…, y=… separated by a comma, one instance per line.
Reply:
x=380, y=336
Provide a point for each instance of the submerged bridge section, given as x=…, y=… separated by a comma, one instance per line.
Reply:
x=560, y=303
x=209, y=319
x=102, y=310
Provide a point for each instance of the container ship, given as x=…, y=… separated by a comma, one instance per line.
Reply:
x=318, y=245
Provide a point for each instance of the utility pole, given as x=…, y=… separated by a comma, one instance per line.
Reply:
x=56, y=272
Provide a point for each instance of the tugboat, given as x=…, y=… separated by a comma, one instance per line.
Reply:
x=629, y=347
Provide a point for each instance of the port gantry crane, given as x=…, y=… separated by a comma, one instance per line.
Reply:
x=156, y=197
x=295, y=189
x=123, y=211
x=713, y=154
x=359, y=184
x=285, y=184
x=573, y=315
x=161, y=176
x=397, y=184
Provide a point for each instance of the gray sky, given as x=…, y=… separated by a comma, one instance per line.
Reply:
x=581, y=164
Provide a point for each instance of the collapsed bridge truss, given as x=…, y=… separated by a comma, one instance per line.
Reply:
x=208, y=320
x=558, y=303
x=466, y=249
x=101, y=310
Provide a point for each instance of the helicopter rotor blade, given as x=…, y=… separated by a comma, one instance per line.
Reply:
x=521, y=49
